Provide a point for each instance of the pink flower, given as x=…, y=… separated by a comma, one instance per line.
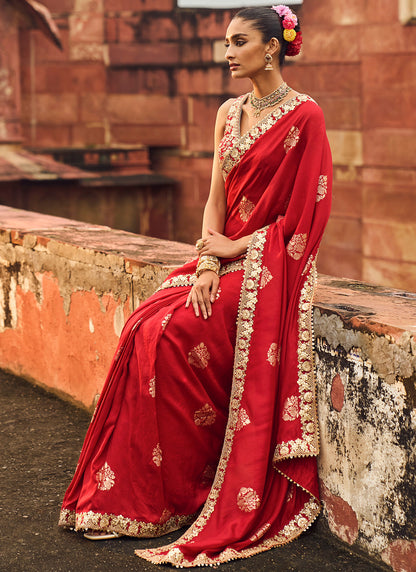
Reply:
x=281, y=10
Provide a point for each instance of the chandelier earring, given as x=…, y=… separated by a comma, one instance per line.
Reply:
x=268, y=59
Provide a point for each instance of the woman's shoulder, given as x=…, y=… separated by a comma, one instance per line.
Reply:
x=226, y=107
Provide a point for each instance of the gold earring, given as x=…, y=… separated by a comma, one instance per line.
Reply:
x=268, y=58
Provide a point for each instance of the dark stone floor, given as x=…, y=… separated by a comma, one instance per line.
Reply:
x=40, y=438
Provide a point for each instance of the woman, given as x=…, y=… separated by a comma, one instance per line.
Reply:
x=208, y=415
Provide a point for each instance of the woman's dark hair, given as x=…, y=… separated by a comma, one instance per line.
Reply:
x=268, y=22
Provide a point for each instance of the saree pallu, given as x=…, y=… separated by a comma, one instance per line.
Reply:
x=213, y=422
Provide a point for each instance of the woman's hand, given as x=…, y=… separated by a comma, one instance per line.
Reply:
x=216, y=244
x=203, y=293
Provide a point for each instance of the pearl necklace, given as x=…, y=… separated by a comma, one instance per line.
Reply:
x=260, y=103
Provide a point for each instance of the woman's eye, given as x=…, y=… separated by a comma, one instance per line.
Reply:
x=239, y=43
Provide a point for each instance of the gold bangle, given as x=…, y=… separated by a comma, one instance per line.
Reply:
x=207, y=262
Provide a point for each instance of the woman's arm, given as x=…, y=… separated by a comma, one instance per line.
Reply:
x=204, y=291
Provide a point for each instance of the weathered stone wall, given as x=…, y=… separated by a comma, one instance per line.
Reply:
x=67, y=287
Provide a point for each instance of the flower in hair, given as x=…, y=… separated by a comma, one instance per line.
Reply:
x=289, y=35
x=293, y=48
x=282, y=10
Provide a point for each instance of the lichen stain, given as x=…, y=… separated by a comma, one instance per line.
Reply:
x=368, y=449
x=342, y=519
x=401, y=555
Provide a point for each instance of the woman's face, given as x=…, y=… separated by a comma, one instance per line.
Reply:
x=245, y=49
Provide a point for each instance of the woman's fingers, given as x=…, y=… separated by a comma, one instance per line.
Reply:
x=214, y=290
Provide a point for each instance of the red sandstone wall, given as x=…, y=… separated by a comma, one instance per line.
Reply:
x=147, y=72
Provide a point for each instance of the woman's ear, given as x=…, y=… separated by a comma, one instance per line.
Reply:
x=273, y=46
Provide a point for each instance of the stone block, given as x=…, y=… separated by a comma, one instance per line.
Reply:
x=199, y=81
x=110, y=29
x=71, y=77
x=332, y=12
x=390, y=147
x=389, y=202
x=395, y=274
x=49, y=135
x=341, y=112
x=60, y=6
x=381, y=110
x=133, y=6
x=157, y=27
x=347, y=199
x=339, y=261
x=340, y=79
x=45, y=52
x=54, y=110
x=388, y=38
x=155, y=82
x=389, y=176
x=92, y=107
x=128, y=30
x=153, y=135
x=343, y=232
x=346, y=147
x=213, y=24
x=86, y=27
x=88, y=134
x=330, y=44
x=89, y=52
x=161, y=53
x=144, y=109
x=388, y=240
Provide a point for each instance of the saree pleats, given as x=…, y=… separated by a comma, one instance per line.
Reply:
x=214, y=421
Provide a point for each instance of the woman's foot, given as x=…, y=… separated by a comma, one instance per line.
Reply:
x=101, y=535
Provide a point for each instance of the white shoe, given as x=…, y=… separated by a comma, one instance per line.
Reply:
x=101, y=535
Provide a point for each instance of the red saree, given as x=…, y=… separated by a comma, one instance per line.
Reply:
x=213, y=422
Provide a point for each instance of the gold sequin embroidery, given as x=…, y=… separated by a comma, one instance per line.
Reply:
x=246, y=209
x=199, y=356
x=157, y=455
x=105, y=478
x=292, y=138
x=297, y=245
x=290, y=409
x=273, y=354
x=243, y=419
x=205, y=416
x=152, y=387
x=322, y=188
x=265, y=278
x=247, y=499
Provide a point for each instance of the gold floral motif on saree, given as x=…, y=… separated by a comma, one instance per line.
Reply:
x=243, y=419
x=119, y=523
x=247, y=499
x=308, y=444
x=105, y=478
x=208, y=475
x=166, y=514
x=265, y=278
x=260, y=533
x=297, y=245
x=273, y=354
x=292, y=138
x=246, y=209
x=290, y=409
x=157, y=455
x=231, y=126
x=322, y=188
x=205, y=416
x=152, y=387
x=165, y=320
x=199, y=356
x=233, y=154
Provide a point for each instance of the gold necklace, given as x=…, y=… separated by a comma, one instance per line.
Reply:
x=260, y=103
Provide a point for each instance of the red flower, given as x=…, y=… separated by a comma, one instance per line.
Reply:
x=293, y=48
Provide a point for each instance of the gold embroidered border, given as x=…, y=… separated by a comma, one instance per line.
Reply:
x=189, y=279
x=118, y=523
x=233, y=156
x=292, y=530
x=247, y=306
x=309, y=443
